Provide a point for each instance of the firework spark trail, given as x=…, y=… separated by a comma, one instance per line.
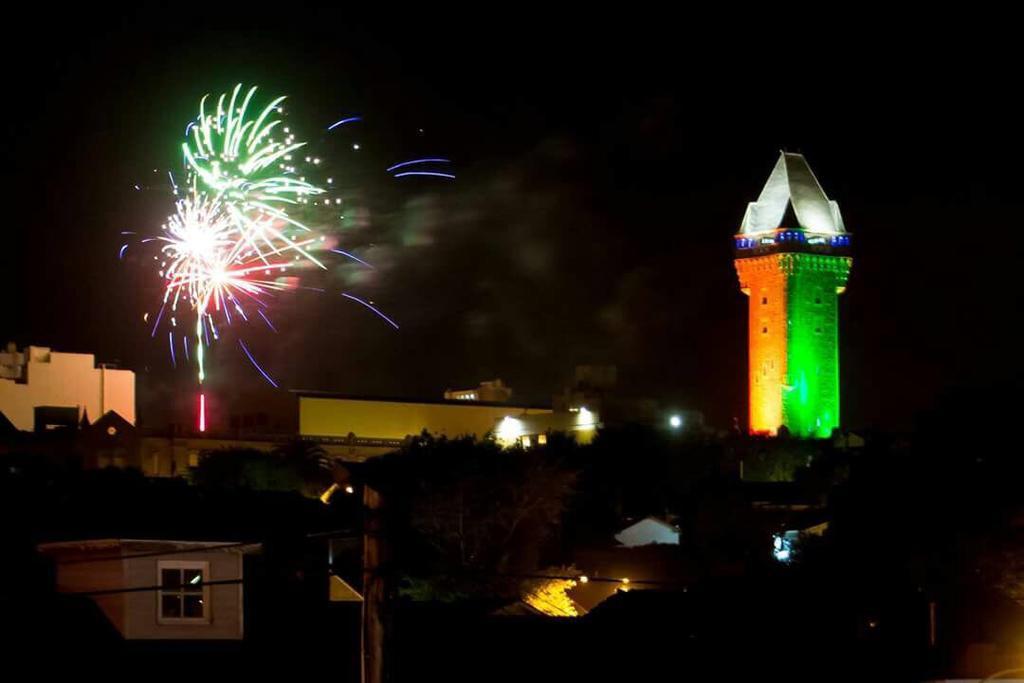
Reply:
x=372, y=308
x=236, y=231
x=353, y=257
x=350, y=119
x=256, y=365
x=158, y=316
x=267, y=321
x=428, y=160
x=436, y=174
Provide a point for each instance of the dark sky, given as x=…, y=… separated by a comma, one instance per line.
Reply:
x=604, y=163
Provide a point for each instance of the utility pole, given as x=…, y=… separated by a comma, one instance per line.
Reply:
x=374, y=556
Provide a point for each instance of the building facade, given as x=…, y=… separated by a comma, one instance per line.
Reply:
x=355, y=428
x=38, y=377
x=158, y=589
x=792, y=258
x=491, y=391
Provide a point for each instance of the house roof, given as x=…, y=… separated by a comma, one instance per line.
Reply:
x=792, y=198
x=121, y=548
x=650, y=520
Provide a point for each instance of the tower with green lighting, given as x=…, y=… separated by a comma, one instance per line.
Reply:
x=793, y=258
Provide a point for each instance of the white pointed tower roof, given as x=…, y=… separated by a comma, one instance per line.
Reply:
x=792, y=198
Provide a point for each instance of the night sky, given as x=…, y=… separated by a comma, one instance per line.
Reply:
x=603, y=165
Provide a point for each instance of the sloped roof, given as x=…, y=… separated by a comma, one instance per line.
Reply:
x=649, y=530
x=792, y=194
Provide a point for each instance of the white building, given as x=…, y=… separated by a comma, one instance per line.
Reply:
x=38, y=377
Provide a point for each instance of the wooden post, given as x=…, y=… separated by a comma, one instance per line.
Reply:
x=373, y=588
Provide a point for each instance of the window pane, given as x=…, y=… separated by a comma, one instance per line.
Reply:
x=194, y=606
x=170, y=579
x=193, y=579
x=170, y=606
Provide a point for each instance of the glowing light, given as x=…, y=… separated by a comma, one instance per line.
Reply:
x=388, y=320
x=325, y=497
x=349, y=489
x=585, y=419
x=350, y=119
x=509, y=430
x=675, y=422
x=202, y=412
x=436, y=174
x=236, y=227
x=120, y=254
x=584, y=579
x=782, y=547
x=427, y=160
x=234, y=158
x=232, y=228
x=550, y=597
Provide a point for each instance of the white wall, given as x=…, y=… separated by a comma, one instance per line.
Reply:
x=67, y=380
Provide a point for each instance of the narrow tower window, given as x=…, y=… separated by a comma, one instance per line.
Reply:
x=764, y=300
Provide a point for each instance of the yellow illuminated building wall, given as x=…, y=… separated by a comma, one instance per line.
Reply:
x=340, y=418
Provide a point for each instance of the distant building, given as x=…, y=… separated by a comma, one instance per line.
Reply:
x=38, y=380
x=493, y=391
x=591, y=387
x=156, y=589
x=533, y=429
x=355, y=428
x=173, y=456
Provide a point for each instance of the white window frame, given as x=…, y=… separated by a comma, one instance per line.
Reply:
x=203, y=567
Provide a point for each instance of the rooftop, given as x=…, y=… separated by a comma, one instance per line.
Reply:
x=792, y=198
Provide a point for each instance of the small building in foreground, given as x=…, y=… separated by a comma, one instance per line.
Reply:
x=158, y=589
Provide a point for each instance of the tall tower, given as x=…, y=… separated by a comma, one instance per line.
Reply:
x=792, y=257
